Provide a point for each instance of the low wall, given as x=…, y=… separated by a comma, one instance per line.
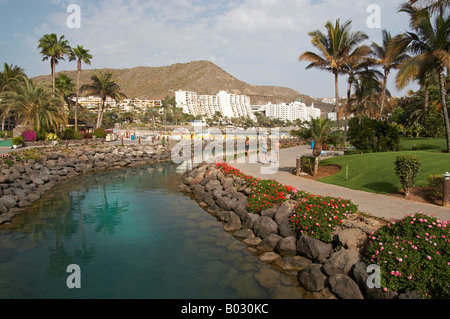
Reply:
x=26, y=181
x=325, y=270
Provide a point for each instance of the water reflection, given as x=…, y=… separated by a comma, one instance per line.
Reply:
x=134, y=235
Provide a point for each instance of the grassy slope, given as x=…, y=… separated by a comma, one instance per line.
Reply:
x=375, y=172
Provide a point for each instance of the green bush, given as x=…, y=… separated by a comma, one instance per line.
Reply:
x=435, y=183
x=18, y=140
x=99, y=132
x=373, y=135
x=413, y=254
x=407, y=167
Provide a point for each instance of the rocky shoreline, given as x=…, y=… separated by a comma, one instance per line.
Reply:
x=326, y=270
x=28, y=180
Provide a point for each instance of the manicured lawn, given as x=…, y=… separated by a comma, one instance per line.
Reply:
x=424, y=144
x=375, y=172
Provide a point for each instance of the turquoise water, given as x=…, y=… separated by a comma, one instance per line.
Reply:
x=134, y=235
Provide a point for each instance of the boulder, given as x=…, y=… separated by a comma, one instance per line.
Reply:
x=341, y=262
x=269, y=212
x=286, y=246
x=344, y=287
x=284, y=212
x=265, y=226
x=314, y=249
x=285, y=229
x=312, y=278
x=269, y=243
x=351, y=238
x=250, y=220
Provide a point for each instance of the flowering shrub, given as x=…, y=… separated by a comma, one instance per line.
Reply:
x=264, y=193
x=413, y=254
x=267, y=193
x=29, y=135
x=318, y=216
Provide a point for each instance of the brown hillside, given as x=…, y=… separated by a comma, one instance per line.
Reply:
x=203, y=77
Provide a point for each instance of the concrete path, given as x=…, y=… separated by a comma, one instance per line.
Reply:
x=378, y=205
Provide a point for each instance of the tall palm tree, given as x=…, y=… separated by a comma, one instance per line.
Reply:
x=103, y=86
x=53, y=49
x=317, y=129
x=357, y=61
x=81, y=55
x=34, y=106
x=334, y=49
x=389, y=56
x=429, y=43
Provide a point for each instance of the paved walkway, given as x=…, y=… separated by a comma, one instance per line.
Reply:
x=378, y=205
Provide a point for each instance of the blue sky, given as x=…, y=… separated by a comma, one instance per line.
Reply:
x=257, y=41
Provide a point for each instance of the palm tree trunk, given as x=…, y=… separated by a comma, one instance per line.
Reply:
x=52, y=65
x=383, y=93
x=444, y=108
x=99, y=115
x=427, y=94
x=78, y=89
x=336, y=95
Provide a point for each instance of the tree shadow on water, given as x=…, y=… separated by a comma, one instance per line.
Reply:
x=381, y=187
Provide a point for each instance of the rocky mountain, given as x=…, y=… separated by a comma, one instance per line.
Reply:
x=203, y=77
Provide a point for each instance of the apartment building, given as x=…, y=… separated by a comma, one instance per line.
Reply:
x=227, y=104
x=293, y=111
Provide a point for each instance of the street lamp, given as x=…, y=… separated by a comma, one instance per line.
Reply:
x=446, y=190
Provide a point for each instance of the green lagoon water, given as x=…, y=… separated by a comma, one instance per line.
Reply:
x=134, y=235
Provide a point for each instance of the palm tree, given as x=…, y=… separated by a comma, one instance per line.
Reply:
x=34, y=106
x=358, y=60
x=334, y=49
x=81, y=55
x=103, y=86
x=367, y=94
x=389, y=56
x=65, y=87
x=53, y=49
x=11, y=76
x=318, y=130
x=430, y=46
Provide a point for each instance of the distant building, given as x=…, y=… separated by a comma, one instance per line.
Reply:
x=229, y=105
x=332, y=116
x=291, y=112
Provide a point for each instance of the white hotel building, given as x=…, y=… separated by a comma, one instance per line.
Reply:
x=293, y=111
x=229, y=105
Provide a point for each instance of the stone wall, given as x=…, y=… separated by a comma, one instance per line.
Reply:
x=325, y=270
x=27, y=181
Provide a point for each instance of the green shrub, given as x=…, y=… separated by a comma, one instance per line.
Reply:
x=18, y=140
x=413, y=254
x=407, y=167
x=99, y=132
x=435, y=183
x=373, y=135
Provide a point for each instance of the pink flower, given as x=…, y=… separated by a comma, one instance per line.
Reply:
x=429, y=257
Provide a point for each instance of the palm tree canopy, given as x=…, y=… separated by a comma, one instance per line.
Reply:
x=334, y=46
x=103, y=86
x=80, y=54
x=53, y=48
